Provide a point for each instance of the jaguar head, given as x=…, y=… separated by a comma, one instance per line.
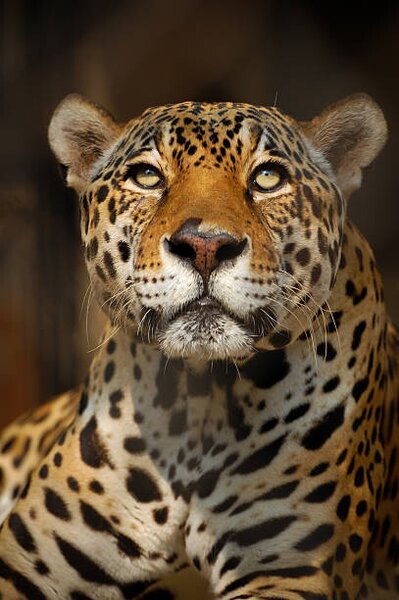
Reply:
x=214, y=229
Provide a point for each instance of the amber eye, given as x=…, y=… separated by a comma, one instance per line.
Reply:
x=268, y=177
x=146, y=176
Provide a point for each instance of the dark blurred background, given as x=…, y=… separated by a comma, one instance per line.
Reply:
x=128, y=55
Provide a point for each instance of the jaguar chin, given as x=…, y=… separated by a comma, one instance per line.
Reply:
x=203, y=329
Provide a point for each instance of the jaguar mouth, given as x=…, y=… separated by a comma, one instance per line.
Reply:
x=204, y=305
x=204, y=327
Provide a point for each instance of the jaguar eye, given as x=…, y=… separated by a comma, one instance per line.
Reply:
x=146, y=176
x=268, y=177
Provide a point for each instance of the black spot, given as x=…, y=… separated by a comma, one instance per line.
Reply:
x=84, y=401
x=266, y=369
x=343, y=507
x=124, y=250
x=359, y=388
x=265, y=530
x=327, y=351
x=359, y=477
x=161, y=515
x=100, y=273
x=269, y=425
x=260, y=458
x=73, y=483
x=303, y=256
x=102, y=193
x=355, y=542
x=297, y=412
x=243, y=581
x=357, y=335
x=57, y=459
x=56, y=505
x=21, y=533
x=281, y=491
x=92, y=451
x=318, y=435
x=96, y=487
x=92, y=248
x=43, y=472
x=320, y=535
x=315, y=274
x=137, y=372
x=134, y=445
x=207, y=483
x=20, y=582
x=83, y=564
x=109, y=264
x=109, y=371
x=230, y=564
x=235, y=413
x=279, y=339
x=167, y=383
x=225, y=504
x=291, y=572
x=141, y=486
x=322, y=493
x=94, y=519
x=128, y=546
x=178, y=422
x=111, y=346
x=331, y=384
x=198, y=385
x=41, y=567
x=340, y=552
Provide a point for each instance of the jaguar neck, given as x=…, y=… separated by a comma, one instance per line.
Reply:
x=132, y=380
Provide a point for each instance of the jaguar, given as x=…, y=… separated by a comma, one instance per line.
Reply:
x=237, y=434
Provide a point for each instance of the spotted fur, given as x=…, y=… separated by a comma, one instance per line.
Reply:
x=236, y=435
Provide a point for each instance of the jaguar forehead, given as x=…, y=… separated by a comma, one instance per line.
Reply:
x=186, y=128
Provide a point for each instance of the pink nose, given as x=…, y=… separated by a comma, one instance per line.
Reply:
x=205, y=251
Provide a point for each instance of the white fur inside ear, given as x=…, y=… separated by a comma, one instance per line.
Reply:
x=79, y=134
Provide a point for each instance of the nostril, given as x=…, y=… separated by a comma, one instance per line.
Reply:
x=181, y=249
x=230, y=251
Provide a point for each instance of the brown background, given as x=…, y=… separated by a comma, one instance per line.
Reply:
x=129, y=55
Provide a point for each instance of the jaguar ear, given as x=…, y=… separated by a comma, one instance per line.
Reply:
x=349, y=134
x=79, y=134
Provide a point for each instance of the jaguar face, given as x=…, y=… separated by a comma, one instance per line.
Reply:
x=214, y=229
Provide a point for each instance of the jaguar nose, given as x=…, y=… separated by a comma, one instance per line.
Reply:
x=205, y=251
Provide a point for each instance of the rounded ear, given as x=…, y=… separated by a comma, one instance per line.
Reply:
x=79, y=134
x=349, y=134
